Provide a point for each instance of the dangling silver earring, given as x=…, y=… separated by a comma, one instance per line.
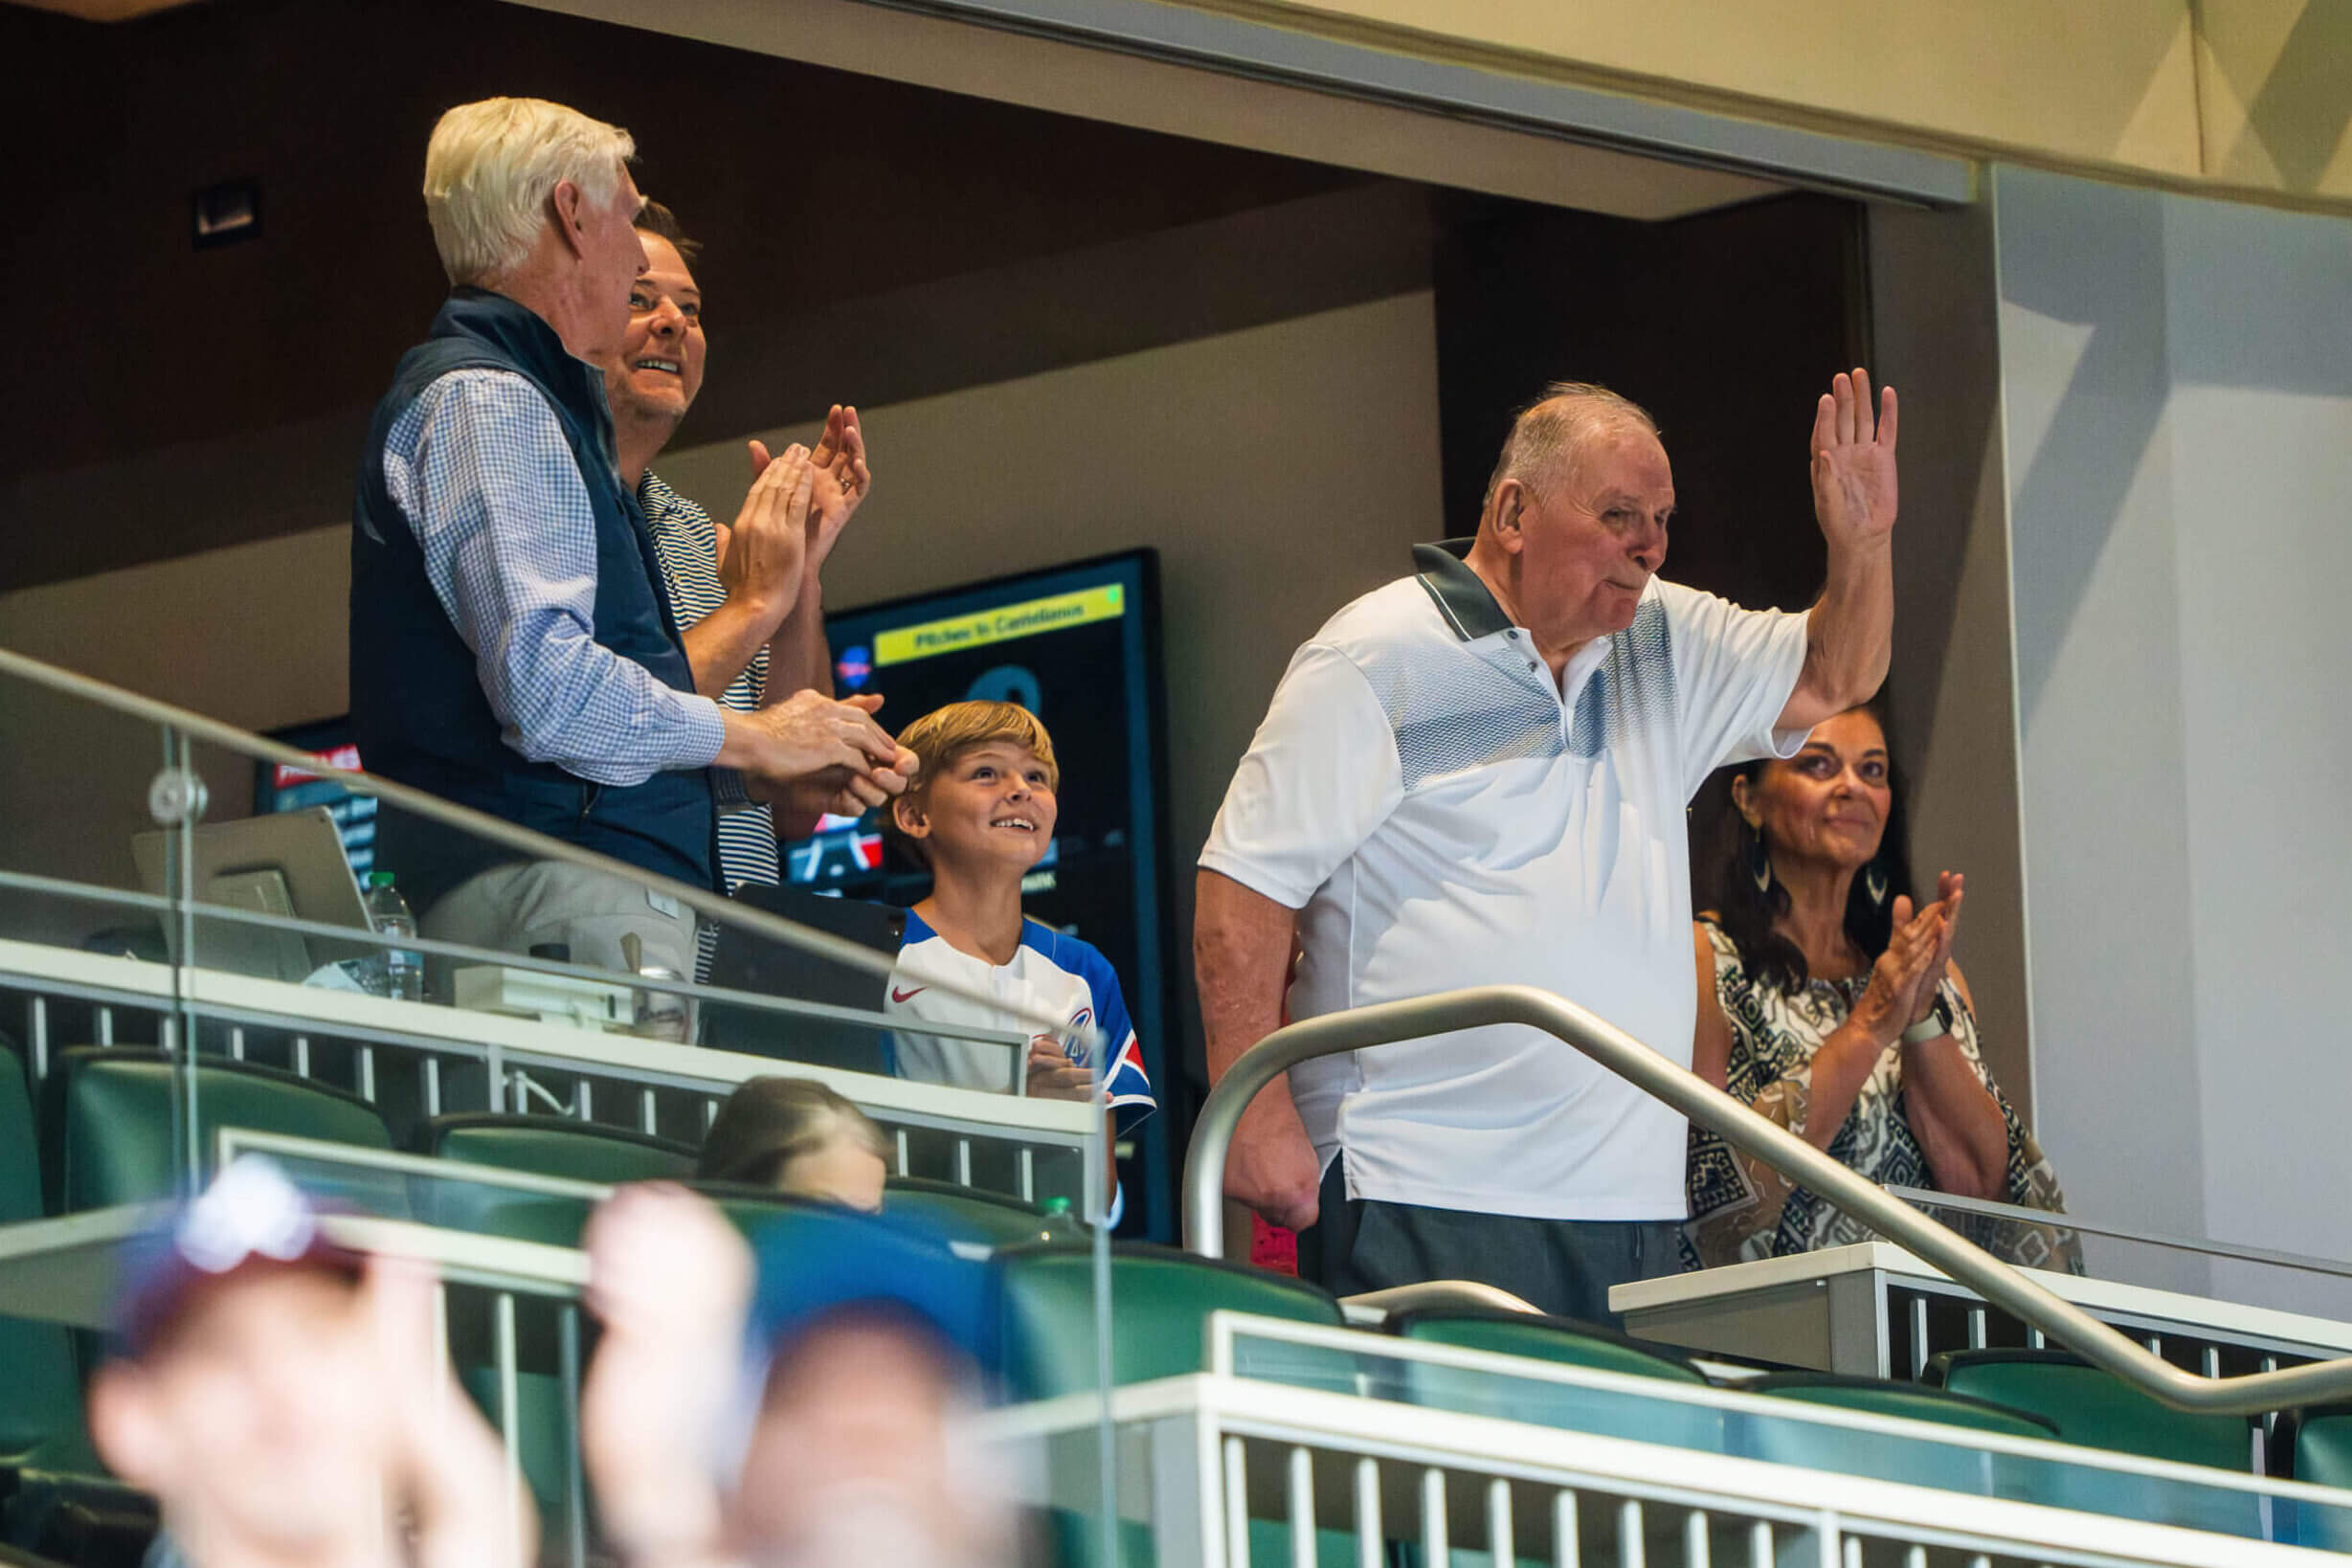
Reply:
x=1759, y=860
x=1874, y=883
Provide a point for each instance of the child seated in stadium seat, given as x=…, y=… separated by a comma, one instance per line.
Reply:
x=796, y=1136
x=980, y=814
x=284, y=1401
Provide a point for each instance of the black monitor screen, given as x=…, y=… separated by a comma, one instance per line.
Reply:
x=278, y=787
x=1077, y=646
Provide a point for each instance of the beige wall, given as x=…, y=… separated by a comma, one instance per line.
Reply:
x=2253, y=94
x=1278, y=471
x=254, y=635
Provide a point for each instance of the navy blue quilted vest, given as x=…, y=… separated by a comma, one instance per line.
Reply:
x=418, y=709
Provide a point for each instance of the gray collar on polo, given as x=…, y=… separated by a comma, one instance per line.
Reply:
x=1461, y=597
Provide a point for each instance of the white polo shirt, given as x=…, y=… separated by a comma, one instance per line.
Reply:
x=1443, y=816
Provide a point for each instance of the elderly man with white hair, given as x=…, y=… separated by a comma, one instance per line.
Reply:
x=512, y=646
x=1477, y=774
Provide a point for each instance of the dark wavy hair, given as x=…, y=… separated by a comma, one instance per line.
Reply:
x=654, y=218
x=1748, y=914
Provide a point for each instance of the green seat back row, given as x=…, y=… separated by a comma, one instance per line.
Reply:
x=550, y=1146
x=113, y=1111
x=1160, y=1302
x=2093, y=1408
x=40, y=1401
x=1569, y=1406
x=559, y=1146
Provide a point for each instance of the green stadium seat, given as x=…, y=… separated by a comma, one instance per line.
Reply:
x=967, y=1213
x=112, y=1111
x=750, y=1207
x=1559, y=1340
x=40, y=1400
x=1562, y=1342
x=2094, y=1409
x=2315, y=1445
x=551, y=1146
x=2091, y=1407
x=1161, y=1300
x=1849, y=1452
x=543, y=1436
x=557, y=1145
x=953, y=1213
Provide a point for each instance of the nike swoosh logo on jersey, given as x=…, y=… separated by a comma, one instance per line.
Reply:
x=898, y=995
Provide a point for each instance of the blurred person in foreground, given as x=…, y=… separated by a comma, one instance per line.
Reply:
x=806, y=1413
x=284, y=1401
x=512, y=646
x=748, y=595
x=793, y=1135
x=1478, y=776
x=1831, y=1004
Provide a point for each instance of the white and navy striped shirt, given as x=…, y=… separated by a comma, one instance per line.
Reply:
x=688, y=545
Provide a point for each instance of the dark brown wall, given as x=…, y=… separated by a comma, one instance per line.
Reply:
x=1726, y=326
x=814, y=190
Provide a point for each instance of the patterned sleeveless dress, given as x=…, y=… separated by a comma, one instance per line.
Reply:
x=1741, y=1209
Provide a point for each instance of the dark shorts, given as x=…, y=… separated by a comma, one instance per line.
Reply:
x=1562, y=1267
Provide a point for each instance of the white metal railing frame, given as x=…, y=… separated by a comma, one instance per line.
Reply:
x=282, y=1004
x=1618, y=1052
x=233, y=1141
x=1187, y=1428
x=180, y=726
x=1225, y=1328
x=789, y=1007
x=506, y=1045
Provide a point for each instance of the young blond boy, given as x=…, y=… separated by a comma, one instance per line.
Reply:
x=980, y=814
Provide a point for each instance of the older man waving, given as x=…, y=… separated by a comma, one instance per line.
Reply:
x=1477, y=775
x=512, y=646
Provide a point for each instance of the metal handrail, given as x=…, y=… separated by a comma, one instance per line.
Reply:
x=1389, y=1023
x=496, y=830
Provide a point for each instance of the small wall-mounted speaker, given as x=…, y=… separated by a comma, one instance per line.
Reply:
x=225, y=214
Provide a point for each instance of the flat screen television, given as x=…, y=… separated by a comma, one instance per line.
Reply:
x=1078, y=645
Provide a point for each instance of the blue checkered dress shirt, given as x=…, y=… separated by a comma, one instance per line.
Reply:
x=480, y=470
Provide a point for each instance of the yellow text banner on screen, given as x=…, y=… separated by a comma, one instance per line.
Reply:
x=1001, y=624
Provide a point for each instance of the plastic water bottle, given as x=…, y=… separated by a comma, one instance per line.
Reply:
x=402, y=969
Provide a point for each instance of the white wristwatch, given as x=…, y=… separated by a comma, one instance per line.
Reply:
x=1934, y=1026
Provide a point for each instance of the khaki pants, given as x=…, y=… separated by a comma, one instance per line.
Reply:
x=515, y=908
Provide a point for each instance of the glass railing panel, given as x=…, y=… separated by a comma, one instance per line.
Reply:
x=2224, y=1271
x=517, y=1340
x=273, y=960
x=249, y=953
x=1687, y=1415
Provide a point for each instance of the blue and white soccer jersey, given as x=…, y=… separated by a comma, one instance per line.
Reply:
x=1051, y=974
